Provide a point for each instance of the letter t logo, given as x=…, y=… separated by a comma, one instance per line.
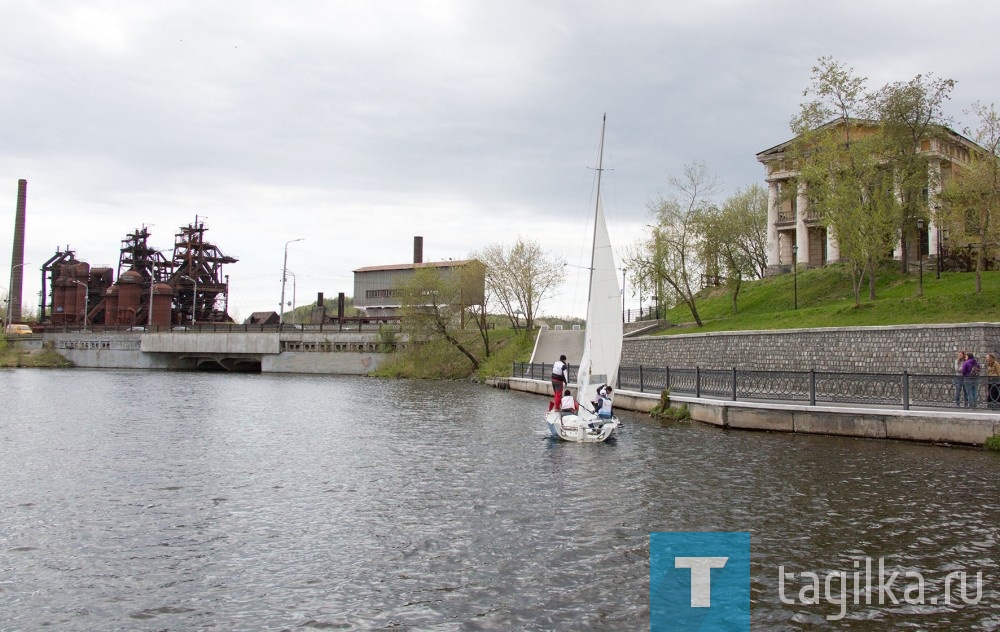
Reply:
x=701, y=577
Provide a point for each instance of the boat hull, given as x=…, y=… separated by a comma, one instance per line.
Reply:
x=577, y=429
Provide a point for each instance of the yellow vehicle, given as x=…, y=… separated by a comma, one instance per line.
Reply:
x=19, y=330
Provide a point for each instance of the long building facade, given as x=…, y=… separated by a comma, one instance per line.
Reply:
x=797, y=233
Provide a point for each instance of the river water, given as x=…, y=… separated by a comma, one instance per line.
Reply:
x=160, y=500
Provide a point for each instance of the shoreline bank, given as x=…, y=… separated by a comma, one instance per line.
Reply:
x=942, y=427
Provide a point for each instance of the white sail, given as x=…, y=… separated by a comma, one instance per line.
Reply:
x=602, y=348
x=602, y=343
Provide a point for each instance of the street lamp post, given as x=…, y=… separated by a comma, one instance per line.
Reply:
x=284, y=274
x=86, y=301
x=294, y=283
x=920, y=255
x=194, y=297
x=795, y=275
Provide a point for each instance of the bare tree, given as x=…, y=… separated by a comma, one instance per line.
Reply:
x=672, y=254
x=520, y=277
x=735, y=235
x=435, y=306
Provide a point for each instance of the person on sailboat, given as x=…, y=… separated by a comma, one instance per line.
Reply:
x=560, y=377
x=568, y=405
x=602, y=390
x=603, y=404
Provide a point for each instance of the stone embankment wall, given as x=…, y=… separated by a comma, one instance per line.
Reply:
x=923, y=349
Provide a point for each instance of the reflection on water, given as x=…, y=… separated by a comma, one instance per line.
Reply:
x=146, y=500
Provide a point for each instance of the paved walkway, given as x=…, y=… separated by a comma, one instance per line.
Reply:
x=552, y=343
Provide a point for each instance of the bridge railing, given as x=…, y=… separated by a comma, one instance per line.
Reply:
x=812, y=387
x=368, y=325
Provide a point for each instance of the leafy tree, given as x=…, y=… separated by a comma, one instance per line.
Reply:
x=673, y=254
x=520, y=277
x=435, y=307
x=909, y=114
x=838, y=149
x=735, y=236
x=973, y=196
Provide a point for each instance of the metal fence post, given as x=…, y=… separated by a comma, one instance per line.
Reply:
x=734, y=384
x=812, y=387
x=668, y=379
x=697, y=381
x=906, y=390
x=641, y=384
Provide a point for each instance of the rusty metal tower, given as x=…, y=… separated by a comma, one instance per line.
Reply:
x=197, y=277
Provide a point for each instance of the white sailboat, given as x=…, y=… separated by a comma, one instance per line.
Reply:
x=602, y=348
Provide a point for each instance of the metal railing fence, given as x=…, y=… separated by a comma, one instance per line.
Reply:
x=892, y=390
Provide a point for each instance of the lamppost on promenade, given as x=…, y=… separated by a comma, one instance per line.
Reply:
x=284, y=274
x=920, y=255
x=86, y=301
x=795, y=275
x=194, y=298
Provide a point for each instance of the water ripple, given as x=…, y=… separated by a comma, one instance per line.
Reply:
x=179, y=501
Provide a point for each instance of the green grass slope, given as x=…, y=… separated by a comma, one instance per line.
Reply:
x=825, y=300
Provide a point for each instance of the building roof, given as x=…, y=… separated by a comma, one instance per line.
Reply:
x=263, y=318
x=413, y=266
x=779, y=149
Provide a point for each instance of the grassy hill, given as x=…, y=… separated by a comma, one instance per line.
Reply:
x=825, y=300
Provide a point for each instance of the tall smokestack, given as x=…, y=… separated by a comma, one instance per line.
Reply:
x=17, y=256
x=418, y=250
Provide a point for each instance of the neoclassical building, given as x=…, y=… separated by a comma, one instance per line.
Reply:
x=791, y=222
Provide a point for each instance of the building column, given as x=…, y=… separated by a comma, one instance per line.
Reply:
x=897, y=251
x=773, y=243
x=801, y=231
x=934, y=202
x=832, y=246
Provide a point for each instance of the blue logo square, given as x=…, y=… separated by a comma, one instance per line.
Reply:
x=699, y=581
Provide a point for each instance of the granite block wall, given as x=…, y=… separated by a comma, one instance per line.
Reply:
x=922, y=349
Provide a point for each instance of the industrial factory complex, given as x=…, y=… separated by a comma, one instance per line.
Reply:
x=184, y=288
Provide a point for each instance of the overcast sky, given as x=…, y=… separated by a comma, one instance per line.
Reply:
x=358, y=125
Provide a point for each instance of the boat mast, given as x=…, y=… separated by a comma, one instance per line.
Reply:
x=597, y=206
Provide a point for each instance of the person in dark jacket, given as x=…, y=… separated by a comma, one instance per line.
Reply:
x=970, y=376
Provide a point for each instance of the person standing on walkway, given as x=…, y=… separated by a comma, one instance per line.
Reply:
x=993, y=379
x=959, y=380
x=560, y=377
x=970, y=375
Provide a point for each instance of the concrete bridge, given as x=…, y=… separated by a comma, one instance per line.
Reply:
x=288, y=351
